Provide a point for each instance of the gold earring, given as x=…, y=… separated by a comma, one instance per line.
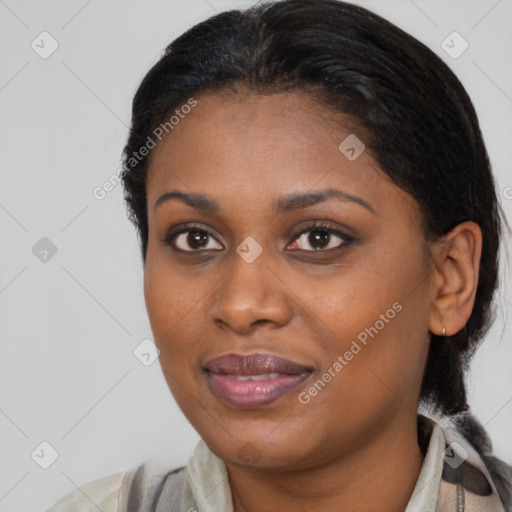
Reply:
x=444, y=331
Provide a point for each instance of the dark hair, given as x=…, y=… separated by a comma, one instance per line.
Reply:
x=418, y=121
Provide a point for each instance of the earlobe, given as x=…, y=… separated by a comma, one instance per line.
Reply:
x=457, y=264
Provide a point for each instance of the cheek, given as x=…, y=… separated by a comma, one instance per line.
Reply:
x=375, y=318
x=174, y=313
x=171, y=302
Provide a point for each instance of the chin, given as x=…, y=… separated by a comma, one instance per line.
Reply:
x=257, y=446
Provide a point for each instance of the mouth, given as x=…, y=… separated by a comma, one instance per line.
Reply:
x=255, y=380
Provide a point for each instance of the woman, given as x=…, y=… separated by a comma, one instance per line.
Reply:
x=320, y=230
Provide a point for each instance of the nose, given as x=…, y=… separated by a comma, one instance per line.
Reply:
x=251, y=294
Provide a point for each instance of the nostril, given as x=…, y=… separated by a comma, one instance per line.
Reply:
x=262, y=320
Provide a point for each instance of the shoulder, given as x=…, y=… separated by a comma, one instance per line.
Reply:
x=136, y=489
x=150, y=486
x=101, y=494
x=501, y=474
x=474, y=433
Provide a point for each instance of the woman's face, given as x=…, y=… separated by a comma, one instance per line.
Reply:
x=330, y=293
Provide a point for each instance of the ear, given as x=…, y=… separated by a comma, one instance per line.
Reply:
x=457, y=264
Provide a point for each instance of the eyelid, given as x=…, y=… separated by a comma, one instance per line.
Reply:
x=171, y=235
x=321, y=226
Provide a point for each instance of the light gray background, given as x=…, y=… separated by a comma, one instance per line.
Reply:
x=69, y=326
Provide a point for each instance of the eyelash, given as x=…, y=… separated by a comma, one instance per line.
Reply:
x=319, y=226
x=316, y=226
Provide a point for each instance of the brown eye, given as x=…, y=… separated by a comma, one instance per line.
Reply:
x=193, y=239
x=196, y=239
x=318, y=238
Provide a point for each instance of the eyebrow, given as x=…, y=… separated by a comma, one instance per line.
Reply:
x=282, y=205
x=198, y=201
x=303, y=200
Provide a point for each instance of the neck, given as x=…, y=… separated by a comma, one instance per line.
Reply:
x=379, y=475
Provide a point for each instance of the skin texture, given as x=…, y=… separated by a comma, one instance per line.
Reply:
x=355, y=443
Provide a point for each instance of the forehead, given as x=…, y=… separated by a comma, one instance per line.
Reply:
x=246, y=131
x=244, y=147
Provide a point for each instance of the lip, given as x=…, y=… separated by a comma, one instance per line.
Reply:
x=229, y=378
